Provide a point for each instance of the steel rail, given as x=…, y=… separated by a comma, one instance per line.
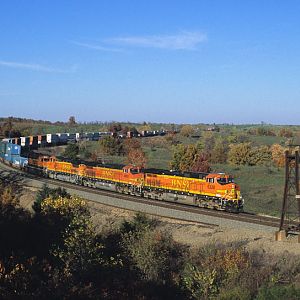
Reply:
x=241, y=217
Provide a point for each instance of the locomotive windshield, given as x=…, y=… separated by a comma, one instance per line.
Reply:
x=134, y=171
x=225, y=180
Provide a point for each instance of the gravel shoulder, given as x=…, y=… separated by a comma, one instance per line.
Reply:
x=106, y=218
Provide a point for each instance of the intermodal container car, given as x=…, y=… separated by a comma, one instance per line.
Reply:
x=42, y=140
x=13, y=149
x=24, y=141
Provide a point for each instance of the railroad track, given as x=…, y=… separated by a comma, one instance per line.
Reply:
x=240, y=217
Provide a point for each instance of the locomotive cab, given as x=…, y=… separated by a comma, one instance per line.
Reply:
x=225, y=188
x=130, y=169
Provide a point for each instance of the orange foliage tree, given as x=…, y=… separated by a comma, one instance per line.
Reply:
x=278, y=155
x=137, y=157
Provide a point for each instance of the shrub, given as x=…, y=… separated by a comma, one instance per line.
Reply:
x=187, y=130
x=278, y=292
x=151, y=251
x=47, y=192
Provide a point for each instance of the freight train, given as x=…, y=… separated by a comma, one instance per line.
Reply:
x=213, y=190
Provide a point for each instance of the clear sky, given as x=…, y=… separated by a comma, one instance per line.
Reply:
x=189, y=61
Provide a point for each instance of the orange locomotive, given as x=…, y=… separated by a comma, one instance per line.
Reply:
x=207, y=190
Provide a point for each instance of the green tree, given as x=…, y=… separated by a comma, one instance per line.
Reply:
x=111, y=146
x=72, y=121
x=79, y=249
x=71, y=151
x=219, y=152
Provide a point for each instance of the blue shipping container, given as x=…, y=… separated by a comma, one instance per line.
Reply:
x=13, y=149
x=7, y=157
x=19, y=161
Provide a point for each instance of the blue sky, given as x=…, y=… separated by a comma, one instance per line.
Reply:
x=158, y=61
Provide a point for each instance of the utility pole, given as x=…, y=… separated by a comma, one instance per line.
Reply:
x=290, y=212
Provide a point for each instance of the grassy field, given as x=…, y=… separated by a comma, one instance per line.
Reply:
x=261, y=187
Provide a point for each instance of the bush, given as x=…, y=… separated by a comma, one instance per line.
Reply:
x=278, y=292
x=152, y=252
x=47, y=192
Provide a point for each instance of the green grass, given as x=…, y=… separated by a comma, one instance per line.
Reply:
x=266, y=140
x=158, y=158
x=261, y=187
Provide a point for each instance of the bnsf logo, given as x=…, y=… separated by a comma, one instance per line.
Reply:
x=181, y=184
x=108, y=173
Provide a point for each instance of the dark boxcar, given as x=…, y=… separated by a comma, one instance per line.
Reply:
x=96, y=136
x=42, y=140
x=71, y=137
x=52, y=139
x=33, y=142
x=18, y=141
x=63, y=137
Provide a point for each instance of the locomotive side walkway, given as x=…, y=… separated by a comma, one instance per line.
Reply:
x=152, y=207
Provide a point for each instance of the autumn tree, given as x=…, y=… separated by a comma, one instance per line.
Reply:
x=130, y=144
x=136, y=157
x=47, y=192
x=155, y=142
x=245, y=154
x=170, y=138
x=261, y=155
x=151, y=251
x=207, y=142
x=278, y=156
x=287, y=133
x=187, y=130
x=201, y=163
x=189, y=158
x=240, y=154
x=8, y=129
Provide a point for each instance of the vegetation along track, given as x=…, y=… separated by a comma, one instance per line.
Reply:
x=240, y=217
